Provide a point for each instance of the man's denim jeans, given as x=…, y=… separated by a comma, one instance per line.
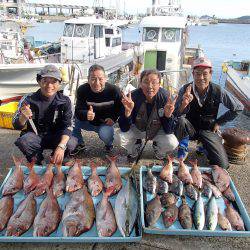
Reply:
x=105, y=132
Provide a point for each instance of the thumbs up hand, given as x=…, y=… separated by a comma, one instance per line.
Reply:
x=90, y=114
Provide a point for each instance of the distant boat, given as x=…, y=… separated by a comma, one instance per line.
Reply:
x=238, y=81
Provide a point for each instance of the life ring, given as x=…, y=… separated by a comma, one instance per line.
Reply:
x=151, y=34
x=169, y=34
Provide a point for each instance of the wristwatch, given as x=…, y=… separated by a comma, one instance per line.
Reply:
x=62, y=146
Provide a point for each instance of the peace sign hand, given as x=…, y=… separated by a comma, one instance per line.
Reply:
x=127, y=103
x=187, y=97
x=170, y=106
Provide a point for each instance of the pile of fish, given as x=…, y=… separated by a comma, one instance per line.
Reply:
x=89, y=201
x=169, y=193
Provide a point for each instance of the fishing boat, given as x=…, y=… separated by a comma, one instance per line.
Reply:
x=85, y=40
x=238, y=81
x=163, y=39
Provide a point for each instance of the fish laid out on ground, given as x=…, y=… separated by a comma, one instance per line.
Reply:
x=150, y=182
x=48, y=217
x=183, y=173
x=105, y=216
x=234, y=217
x=162, y=186
x=191, y=192
x=177, y=186
x=6, y=210
x=223, y=222
x=199, y=213
x=15, y=181
x=153, y=210
x=113, y=177
x=74, y=178
x=228, y=193
x=170, y=215
x=221, y=178
x=32, y=180
x=59, y=182
x=212, y=214
x=166, y=173
x=95, y=184
x=126, y=208
x=185, y=214
x=196, y=174
x=23, y=218
x=44, y=181
x=79, y=214
x=168, y=199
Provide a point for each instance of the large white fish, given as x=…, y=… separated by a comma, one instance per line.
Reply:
x=126, y=206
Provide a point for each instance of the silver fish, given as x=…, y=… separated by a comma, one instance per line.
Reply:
x=126, y=207
x=150, y=182
x=162, y=186
x=199, y=213
x=177, y=186
x=212, y=214
x=191, y=192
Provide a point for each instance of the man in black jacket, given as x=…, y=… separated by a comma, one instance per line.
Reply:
x=97, y=108
x=197, y=108
x=46, y=119
x=147, y=115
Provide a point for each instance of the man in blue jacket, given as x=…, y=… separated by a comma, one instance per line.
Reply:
x=46, y=119
x=147, y=115
x=197, y=111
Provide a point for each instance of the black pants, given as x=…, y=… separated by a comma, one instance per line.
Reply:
x=32, y=145
x=211, y=141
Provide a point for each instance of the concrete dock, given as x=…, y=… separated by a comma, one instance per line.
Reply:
x=239, y=174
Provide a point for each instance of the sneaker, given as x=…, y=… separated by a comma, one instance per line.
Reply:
x=182, y=153
x=78, y=149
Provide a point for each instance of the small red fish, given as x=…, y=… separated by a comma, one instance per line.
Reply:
x=167, y=172
x=74, y=179
x=95, y=184
x=113, y=177
x=59, y=182
x=183, y=173
x=32, y=180
x=6, y=210
x=196, y=174
x=15, y=181
x=45, y=181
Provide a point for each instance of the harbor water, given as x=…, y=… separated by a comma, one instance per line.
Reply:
x=221, y=42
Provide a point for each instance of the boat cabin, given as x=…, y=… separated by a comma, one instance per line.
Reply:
x=89, y=38
x=163, y=41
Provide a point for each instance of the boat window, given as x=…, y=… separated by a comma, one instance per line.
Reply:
x=109, y=31
x=170, y=35
x=116, y=41
x=107, y=39
x=92, y=31
x=98, y=31
x=68, y=29
x=150, y=34
x=81, y=30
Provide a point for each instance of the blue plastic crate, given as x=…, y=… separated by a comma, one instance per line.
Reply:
x=176, y=228
x=90, y=236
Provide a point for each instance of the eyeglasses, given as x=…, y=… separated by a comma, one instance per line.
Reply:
x=148, y=83
x=205, y=74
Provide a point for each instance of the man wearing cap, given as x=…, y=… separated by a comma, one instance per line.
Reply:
x=45, y=118
x=197, y=109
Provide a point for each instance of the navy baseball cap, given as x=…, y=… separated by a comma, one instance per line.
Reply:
x=51, y=71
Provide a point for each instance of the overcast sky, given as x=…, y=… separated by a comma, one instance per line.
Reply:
x=219, y=8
